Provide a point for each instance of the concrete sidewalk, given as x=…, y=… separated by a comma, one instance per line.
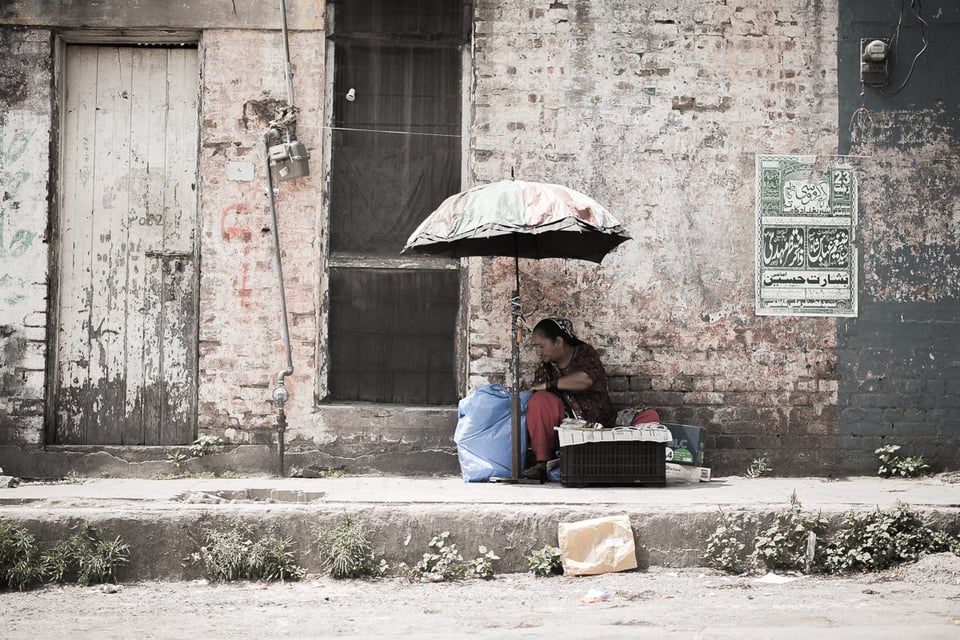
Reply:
x=163, y=520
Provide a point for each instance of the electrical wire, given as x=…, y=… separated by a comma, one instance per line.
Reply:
x=916, y=9
x=395, y=132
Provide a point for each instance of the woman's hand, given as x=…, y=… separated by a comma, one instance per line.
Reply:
x=576, y=381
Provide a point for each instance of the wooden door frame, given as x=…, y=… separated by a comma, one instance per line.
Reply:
x=105, y=37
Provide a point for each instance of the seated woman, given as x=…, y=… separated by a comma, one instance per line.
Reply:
x=570, y=382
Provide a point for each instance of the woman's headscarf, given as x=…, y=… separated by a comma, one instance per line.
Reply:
x=566, y=327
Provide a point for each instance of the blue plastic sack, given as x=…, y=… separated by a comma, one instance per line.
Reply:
x=483, y=435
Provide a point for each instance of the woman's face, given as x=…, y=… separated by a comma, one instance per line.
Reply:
x=548, y=350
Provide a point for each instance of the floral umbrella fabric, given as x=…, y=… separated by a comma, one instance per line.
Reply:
x=519, y=219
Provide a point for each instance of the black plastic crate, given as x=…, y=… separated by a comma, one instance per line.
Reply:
x=623, y=462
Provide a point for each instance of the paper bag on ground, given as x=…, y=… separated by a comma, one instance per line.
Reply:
x=600, y=545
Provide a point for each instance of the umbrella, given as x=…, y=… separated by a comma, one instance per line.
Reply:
x=518, y=219
x=521, y=220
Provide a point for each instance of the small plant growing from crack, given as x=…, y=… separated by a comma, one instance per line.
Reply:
x=545, y=561
x=238, y=553
x=786, y=543
x=725, y=549
x=82, y=558
x=202, y=446
x=804, y=541
x=892, y=464
x=443, y=562
x=345, y=550
x=758, y=467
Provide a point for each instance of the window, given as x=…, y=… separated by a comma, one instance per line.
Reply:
x=395, y=155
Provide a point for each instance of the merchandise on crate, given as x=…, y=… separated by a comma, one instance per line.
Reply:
x=636, y=415
x=686, y=445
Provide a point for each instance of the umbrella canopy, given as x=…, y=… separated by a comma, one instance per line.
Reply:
x=521, y=220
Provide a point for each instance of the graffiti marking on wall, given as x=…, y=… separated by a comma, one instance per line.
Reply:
x=14, y=242
x=806, y=262
x=233, y=230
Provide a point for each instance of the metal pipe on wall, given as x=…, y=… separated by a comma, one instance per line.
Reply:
x=287, y=68
x=278, y=128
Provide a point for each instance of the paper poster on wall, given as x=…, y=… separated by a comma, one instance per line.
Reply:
x=806, y=263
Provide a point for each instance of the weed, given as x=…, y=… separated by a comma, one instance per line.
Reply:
x=345, y=550
x=880, y=539
x=482, y=565
x=545, y=561
x=757, y=468
x=204, y=445
x=177, y=457
x=238, y=554
x=445, y=562
x=85, y=559
x=271, y=558
x=861, y=542
x=81, y=558
x=786, y=543
x=19, y=559
x=725, y=551
x=74, y=478
x=202, y=475
x=903, y=466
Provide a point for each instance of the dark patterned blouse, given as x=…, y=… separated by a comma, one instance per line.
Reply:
x=593, y=404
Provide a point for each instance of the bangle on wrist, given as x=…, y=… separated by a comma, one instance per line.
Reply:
x=551, y=385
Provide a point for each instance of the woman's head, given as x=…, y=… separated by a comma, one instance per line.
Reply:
x=551, y=335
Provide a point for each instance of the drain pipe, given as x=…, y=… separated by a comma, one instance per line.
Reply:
x=280, y=393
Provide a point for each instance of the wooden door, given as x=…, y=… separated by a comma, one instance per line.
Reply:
x=126, y=344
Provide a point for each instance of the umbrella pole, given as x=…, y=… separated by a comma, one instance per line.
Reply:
x=515, y=424
x=516, y=319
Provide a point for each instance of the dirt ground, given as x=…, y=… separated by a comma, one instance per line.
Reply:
x=915, y=601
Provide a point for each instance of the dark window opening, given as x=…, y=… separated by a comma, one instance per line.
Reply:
x=395, y=155
x=396, y=144
x=391, y=333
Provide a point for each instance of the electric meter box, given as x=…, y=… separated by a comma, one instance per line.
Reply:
x=289, y=160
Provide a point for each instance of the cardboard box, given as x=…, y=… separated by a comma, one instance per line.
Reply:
x=687, y=445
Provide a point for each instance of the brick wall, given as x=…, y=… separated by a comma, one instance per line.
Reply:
x=241, y=350
x=25, y=124
x=658, y=112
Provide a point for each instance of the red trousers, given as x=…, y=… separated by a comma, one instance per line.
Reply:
x=544, y=412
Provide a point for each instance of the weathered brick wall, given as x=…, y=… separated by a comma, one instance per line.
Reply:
x=25, y=127
x=658, y=111
x=241, y=350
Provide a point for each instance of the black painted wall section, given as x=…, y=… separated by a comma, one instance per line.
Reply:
x=899, y=367
x=935, y=81
x=899, y=361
